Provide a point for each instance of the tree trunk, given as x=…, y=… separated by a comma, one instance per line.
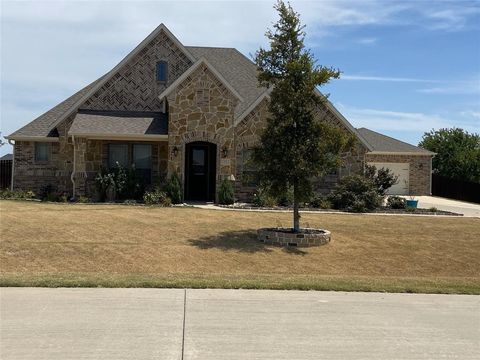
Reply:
x=296, y=214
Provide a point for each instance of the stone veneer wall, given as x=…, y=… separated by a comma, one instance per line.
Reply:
x=92, y=155
x=201, y=109
x=135, y=87
x=420, y=173
x=29, y=175
x=247, y=134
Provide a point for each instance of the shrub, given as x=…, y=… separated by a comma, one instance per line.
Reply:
x=84, y=200
x=103, y=182
x=48, y=193
x=226, y=193
x=173, y=189
x=396, y=202
x=433, y=209
x=263, y=199
x=286, y=199
x=383, y=178
x=16, y=194
x=355, y=193
x=320, y=201
x=156, y=197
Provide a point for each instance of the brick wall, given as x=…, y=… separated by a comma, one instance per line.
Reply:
x=420, y=170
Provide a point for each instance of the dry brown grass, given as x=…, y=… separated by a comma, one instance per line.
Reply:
x=40, y=239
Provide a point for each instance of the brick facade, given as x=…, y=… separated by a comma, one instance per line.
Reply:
x=420, y=173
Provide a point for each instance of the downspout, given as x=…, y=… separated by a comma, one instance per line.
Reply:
x=72, y=177
x=13, y=163
x=431, y=173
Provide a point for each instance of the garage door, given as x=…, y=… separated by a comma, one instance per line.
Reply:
x=399, y=169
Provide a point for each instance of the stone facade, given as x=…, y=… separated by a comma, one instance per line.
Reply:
x=285, y=237
x=420, y=173
x=247, y=135
x=201, y=109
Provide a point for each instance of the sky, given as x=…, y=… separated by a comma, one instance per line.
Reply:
x=407, y=66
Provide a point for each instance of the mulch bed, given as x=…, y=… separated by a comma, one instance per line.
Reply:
x=382, y=210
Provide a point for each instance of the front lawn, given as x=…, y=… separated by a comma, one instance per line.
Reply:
x=129, y=246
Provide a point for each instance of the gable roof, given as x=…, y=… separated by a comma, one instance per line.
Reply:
x=239, y=71
x=382, y=144
x=190, y=70
x=44, y=124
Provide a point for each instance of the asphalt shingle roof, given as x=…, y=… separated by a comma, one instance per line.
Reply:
x=42, y=125
x=236, y=68
x=383, y=143
x=119, y=123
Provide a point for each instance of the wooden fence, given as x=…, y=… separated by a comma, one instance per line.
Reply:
x=5, y=173
x=455, y=189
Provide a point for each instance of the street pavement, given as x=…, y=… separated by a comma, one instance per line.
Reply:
x=40, y=323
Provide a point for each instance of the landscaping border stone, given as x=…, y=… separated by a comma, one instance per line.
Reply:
x=286, y=237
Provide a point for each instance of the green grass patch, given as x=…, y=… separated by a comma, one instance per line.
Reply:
x=274, y=282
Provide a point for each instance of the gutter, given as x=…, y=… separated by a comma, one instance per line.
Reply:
x=72, y=176
x=13, y=163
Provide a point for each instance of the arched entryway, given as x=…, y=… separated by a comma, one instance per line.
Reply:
x=200, y=171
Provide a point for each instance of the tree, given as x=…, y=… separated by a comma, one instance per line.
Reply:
x=458, y=153
x=295, y=146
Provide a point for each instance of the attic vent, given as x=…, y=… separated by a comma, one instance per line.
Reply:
x=202, y=97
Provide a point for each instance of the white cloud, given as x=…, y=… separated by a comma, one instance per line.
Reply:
x=367, y=41
x=407, y=122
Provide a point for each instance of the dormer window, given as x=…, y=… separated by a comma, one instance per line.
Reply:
x=162, y=71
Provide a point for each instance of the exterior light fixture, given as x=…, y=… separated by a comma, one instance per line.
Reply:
x=231, y=177
x=175, y=151
x=224, y=151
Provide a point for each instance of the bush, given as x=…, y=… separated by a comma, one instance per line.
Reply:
x=355, y=193
x=48, y=193
x=383, y=179
x=156, y=197
x=320, y=202
x=285, y=199
x=173, y=189
x=103, y=182
x=16, y=194
x=433, y=209
x=396, y=202
x=263, y=199
x=84, y=200
x=226, y=193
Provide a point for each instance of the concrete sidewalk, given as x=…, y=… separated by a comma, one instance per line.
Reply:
x=39, y=323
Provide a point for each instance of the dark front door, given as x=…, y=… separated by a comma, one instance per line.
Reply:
x=200, y=169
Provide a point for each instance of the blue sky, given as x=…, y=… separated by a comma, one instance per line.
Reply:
x=408, y=66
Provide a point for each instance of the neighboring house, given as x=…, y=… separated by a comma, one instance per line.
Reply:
x=196, y=111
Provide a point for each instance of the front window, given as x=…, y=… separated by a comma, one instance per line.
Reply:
x=42, y=152
x=117, y=153
x=249, y=173
x=142, y=156
x=162, y=71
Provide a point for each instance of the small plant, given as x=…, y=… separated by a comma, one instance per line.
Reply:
x=173, y=188
x=156, y=197
x=410, y=209
x=320, y=201
x=263, y=199
x=396, y=202
x=433, y=209
x=48, y=193
x=130, y=202
x=84, y=200
x=226, y=193
x=16, y=194
x=103, y=182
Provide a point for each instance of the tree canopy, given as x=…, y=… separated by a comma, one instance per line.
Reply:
x=295, y=145
x=458, y=153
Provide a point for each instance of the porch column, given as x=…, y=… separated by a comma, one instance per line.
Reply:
x=79, y=166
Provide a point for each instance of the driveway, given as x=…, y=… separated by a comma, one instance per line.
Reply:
x=457, y=206
x=39, y=323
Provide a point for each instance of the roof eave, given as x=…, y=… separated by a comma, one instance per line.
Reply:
x=32, y=138
x=107, y=136
x=413, y=153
